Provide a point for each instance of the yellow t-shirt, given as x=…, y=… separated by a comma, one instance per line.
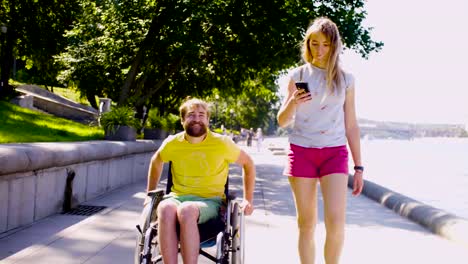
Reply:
x=199, y=169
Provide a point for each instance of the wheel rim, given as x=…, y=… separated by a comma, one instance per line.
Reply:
x=236, y=234
x=220, y=247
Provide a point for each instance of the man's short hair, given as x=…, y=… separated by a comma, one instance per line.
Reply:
x=193, y=102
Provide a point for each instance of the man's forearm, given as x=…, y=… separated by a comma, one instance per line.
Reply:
x=249, y=181
x=152, y=183
x=154, y=173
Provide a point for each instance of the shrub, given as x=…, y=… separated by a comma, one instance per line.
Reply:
x=119, y=116
x=166, y=122
x=155, y=120
x=171, y=122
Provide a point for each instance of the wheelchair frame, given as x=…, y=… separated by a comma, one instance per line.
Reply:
x=230, y=241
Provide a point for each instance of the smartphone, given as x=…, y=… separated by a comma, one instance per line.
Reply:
x=303, y=85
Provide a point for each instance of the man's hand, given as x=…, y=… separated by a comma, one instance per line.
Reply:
x=247, y=207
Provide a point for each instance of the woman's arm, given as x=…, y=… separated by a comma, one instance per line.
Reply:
x=354, y=138
x=288, y=107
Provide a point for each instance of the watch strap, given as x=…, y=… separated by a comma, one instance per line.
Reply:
x=358, y=168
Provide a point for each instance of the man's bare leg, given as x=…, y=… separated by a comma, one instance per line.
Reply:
x=188, y=214
x=167, y=219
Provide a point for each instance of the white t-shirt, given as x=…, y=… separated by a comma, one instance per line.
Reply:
x=319, y=123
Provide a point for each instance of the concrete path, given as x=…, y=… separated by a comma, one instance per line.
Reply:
x=375, y=234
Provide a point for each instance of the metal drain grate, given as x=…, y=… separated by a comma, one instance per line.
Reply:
x=85, y=210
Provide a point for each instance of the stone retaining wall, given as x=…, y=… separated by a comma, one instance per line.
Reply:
x=33, y=176
x=63, y=110
x=54, y=104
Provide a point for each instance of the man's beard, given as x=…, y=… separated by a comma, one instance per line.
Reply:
x=195, y=131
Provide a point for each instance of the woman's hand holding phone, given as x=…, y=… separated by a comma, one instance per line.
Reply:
x=303, y=85
x=303, y=93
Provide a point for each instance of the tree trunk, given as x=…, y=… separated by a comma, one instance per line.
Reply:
x=92, y=99
x=130, y=81
x=9, y=39
x=172, y=69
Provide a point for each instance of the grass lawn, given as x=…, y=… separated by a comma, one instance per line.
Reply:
x=71, y=94
x=18, y=125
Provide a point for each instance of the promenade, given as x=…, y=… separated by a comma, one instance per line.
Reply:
x=375, y=234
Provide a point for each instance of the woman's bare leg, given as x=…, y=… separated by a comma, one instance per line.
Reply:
x=305, y=196
x=334, y=191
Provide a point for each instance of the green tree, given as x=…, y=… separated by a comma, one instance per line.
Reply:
x=223, y=43
x=156, y=53
x=34, y=33
x=254, y=107
x=101, y=46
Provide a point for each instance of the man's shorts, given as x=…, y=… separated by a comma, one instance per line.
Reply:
x=208, y=207
x=316, y=162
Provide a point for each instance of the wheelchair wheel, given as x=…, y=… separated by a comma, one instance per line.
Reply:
x=138, y=249
x=151, y=253
x=147, y=248
x=148, y=230
x=237, y=236
x=141, y=235
x=221, y=254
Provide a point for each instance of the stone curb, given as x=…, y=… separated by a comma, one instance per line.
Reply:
x=436, y=220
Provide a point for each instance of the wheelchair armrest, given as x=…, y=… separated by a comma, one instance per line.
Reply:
x=149, y=211
x=156, y=192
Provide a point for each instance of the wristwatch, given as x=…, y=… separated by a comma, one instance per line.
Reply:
x=359, y=168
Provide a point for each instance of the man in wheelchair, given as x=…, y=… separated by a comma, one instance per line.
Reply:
x=199, y=164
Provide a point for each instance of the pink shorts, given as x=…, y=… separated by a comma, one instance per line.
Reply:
x=316, y=162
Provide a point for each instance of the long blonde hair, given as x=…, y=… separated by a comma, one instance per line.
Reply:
x=330, y=30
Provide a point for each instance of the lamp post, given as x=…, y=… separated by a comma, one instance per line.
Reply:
x=216, y=111
x=231, y=111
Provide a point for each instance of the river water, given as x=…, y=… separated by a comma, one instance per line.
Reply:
x=431, y=170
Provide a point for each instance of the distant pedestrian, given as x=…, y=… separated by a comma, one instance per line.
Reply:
x=250, y=135
x=243, y=134
x=324, y=121
x=259, y=138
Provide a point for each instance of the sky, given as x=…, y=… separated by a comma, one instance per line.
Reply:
x=421, y=74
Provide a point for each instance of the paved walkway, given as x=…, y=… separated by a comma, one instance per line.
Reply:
x=375, y=234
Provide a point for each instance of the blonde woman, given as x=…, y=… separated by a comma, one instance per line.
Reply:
x=323, y=118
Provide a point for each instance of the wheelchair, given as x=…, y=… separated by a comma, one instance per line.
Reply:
x=225, y=232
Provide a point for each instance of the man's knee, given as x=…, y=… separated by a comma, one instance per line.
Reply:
x=188, y=213
x=167, y=211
